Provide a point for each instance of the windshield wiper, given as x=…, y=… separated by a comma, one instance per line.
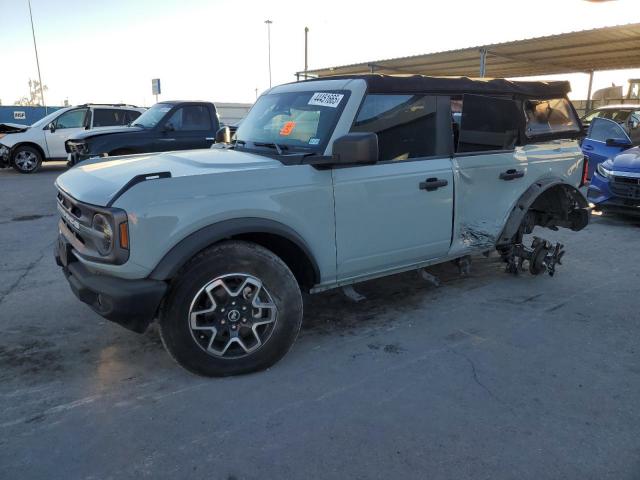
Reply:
x=279, y=148
x=137, y=125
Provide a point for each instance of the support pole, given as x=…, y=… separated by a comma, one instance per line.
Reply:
x=33, y=32
x=588, y=107
x=306, y=51
x=269, y=22
x=483, y=62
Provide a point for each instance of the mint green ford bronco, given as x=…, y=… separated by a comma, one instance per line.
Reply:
x=326, y=183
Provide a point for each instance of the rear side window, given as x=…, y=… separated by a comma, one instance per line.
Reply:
x=486, y=123
x=109, y=117
x=546, y=117
x=405, y=124
x=191, y=118
x=602, y=129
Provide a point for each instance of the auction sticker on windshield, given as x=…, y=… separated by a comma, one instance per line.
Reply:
x=326, y=99
x=287, y=128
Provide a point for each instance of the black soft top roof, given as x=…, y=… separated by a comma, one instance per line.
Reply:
x=457, y=85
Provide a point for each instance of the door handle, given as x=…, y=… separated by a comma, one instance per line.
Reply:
x=511, y=174
x=209, y=138
x=588, y=147
x=431, y=184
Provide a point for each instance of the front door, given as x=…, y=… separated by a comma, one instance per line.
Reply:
x=188, y=127
x=398, y=212
x=595, y=145
x=68, y=124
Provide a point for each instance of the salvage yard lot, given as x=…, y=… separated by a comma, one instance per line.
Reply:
x=487, y=376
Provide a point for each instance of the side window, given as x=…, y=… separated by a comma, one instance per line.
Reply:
x=549, y=116
x=602, y=129
x=405, y=124
x=592, y=115
x=191, y=118
x=486, y=123
x=132, y=115
x=71, y=119
x=109, y=117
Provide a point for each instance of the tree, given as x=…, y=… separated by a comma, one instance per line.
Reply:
x=34, y=99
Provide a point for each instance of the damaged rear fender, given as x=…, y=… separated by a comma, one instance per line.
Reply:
x=549, y=203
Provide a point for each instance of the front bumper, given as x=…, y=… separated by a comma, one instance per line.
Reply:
x=130, y=303
x=603, y=195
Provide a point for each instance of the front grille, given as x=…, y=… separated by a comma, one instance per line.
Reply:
x=77, y=147
x=625, y=187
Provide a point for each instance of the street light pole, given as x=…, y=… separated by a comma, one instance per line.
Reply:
x=33, y=33
x=269, y=22
x=306, y=51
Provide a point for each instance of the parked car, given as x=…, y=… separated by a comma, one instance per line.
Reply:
x=329, y=182
x=627, y=116
x=605, y=138
x=174, y=125
x=26, y=147
x=615, y=183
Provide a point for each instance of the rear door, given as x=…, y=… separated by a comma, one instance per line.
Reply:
x=490, y=172
x=189, y=127
x=397, y=212
x=68, y=124
x=595, y=145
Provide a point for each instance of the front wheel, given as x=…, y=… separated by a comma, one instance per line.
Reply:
x=234, y=308
x=26, y=159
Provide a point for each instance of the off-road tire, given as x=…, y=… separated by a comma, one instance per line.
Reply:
x=26, y=159
x=220, y=260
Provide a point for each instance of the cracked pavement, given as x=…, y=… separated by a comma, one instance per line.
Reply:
x=487, y=376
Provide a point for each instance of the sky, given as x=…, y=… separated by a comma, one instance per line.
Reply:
x=109, y=50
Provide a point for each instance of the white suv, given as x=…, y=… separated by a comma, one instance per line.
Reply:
x=26, y=147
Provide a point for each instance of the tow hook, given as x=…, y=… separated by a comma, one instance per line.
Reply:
x=543, y=256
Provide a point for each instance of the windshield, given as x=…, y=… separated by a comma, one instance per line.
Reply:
x=293, y=121
x=151, y=117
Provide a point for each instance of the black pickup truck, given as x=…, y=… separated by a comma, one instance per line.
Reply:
x=171, y=125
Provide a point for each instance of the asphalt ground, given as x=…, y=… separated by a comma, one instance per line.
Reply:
x=487, y=376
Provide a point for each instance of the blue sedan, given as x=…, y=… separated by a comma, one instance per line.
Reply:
x=614, y=167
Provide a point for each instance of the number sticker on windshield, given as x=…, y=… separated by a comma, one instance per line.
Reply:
x=326, y=99
x=287, y=128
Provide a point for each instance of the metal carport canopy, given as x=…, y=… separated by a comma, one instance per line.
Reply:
x=608, y=48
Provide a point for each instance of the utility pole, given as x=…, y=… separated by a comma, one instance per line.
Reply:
x=306, y=51
x=33, y=33
x=269, y=22
x=256, y=93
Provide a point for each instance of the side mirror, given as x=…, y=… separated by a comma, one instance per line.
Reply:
x=618, y=142
x=52, y=127
x=168, y=127
x=356, y=148
x=223, y=135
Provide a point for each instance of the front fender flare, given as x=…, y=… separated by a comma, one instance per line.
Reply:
x=528, y=198
x=188, y=247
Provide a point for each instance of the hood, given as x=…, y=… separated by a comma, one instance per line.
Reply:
x=627, y=161
x=12, y=128
x=97, y=182
x=106, y=131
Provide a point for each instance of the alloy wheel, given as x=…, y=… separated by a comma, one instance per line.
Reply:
x=232, y=316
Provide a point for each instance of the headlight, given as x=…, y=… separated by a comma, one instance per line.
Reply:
x=604, y=172
x=102, y=225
